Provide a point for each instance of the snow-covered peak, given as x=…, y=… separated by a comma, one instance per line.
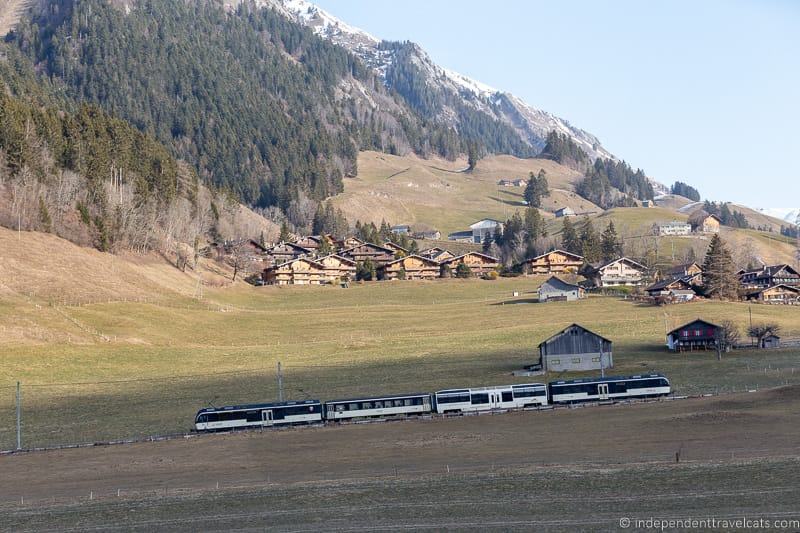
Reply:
x=323, y=23
x=476, y=87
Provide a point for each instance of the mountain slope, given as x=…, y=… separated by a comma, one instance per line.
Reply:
x=454, y=98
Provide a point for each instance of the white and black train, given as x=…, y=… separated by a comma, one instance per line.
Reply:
x=442, y=402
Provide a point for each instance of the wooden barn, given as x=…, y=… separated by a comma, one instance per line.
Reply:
x=575, y=349
x=556, y=289
x=696, y=335
x=478, y=263
x=554, y=262
x=413, y=266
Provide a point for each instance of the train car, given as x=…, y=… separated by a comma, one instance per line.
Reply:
x=611, y=388
x=258, y=415
x=394, y=405
x=488, y=398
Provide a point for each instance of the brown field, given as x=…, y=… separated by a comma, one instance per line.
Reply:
x=578, y=468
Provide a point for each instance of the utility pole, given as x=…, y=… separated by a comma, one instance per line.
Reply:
x=602, y=366
x=280, y=383
x=19, y=417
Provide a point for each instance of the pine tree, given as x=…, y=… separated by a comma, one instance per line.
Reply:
x=719, y=272
x=285, y=235
x=569, y=237
x=610, y=244
x=487, y=242
x=590, y=243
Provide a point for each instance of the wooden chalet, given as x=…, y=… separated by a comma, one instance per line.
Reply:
x=666, y=287
x=770, y=276
x=300, y=271
x=428, y=234
x=558, y=290
x=313, y=242
x=575, y=348
x=687, y=269
x=380, y=255
x=696, y=335
x=338, y=268
x=396, y=248
x=702, y=222
x=479, y=263
x=349, y=242
x=554, y=262
x=619, y=272
x=777, y=294
x=414, y=266
x=286, y=251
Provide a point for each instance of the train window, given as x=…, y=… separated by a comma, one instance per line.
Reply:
x=366, y=405
x=352, y=406
x=398, y=403
x=576, y=360
x=202, y=419
x=339, y=407
x=508, y=396
x=407, y=401
x=253, y=416
x=378, y=405
x=480, y=398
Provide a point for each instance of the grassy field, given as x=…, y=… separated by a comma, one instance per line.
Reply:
x=133, y=369
x=408, y=190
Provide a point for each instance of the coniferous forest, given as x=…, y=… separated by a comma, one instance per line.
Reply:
x=255, y=102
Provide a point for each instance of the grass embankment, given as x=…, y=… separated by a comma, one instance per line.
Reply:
x=149, y=366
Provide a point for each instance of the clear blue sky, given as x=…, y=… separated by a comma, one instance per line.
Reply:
x=705, y=92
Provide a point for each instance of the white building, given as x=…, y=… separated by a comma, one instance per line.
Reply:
x=673, y=228
x=484, y=226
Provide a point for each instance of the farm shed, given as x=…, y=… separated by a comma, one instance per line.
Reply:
x=556, y=289
x=575, y=349
x=771, y=341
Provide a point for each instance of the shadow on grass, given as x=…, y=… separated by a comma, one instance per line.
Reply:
x=518, y=301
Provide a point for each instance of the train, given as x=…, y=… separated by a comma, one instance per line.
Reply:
x=449, y=401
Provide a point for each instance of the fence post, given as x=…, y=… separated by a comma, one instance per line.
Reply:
x=19, y=417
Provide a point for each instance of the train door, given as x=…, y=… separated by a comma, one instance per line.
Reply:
x=426, y=403
x=602, y=391
x=496, y=399
x=266, y=418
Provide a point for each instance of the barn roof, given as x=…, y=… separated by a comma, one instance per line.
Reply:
x=557, y=250
x=696, y=320
x=573, y=326
x=560, y=284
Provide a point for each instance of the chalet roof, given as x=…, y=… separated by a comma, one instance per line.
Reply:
x=575, y=256
x=393, y=246
x=480, y=254
x=560, y=284
x=313, y=262
x=673, y=223
x=339, y=257
x=682, y=269
x=290, y=245
x=485, y=223
x=258, y=245
x=573, y=325
x=431, y=251
x=773, y=270
x=316, y=238
x=415, y=256
x=695, y=321
x=665, y=283
x=368, y=245
x=600, y=266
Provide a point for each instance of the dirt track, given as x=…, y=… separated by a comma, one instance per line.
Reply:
x=752, y=425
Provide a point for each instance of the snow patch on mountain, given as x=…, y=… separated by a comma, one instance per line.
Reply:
x=530, y=123
x=788, y=214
